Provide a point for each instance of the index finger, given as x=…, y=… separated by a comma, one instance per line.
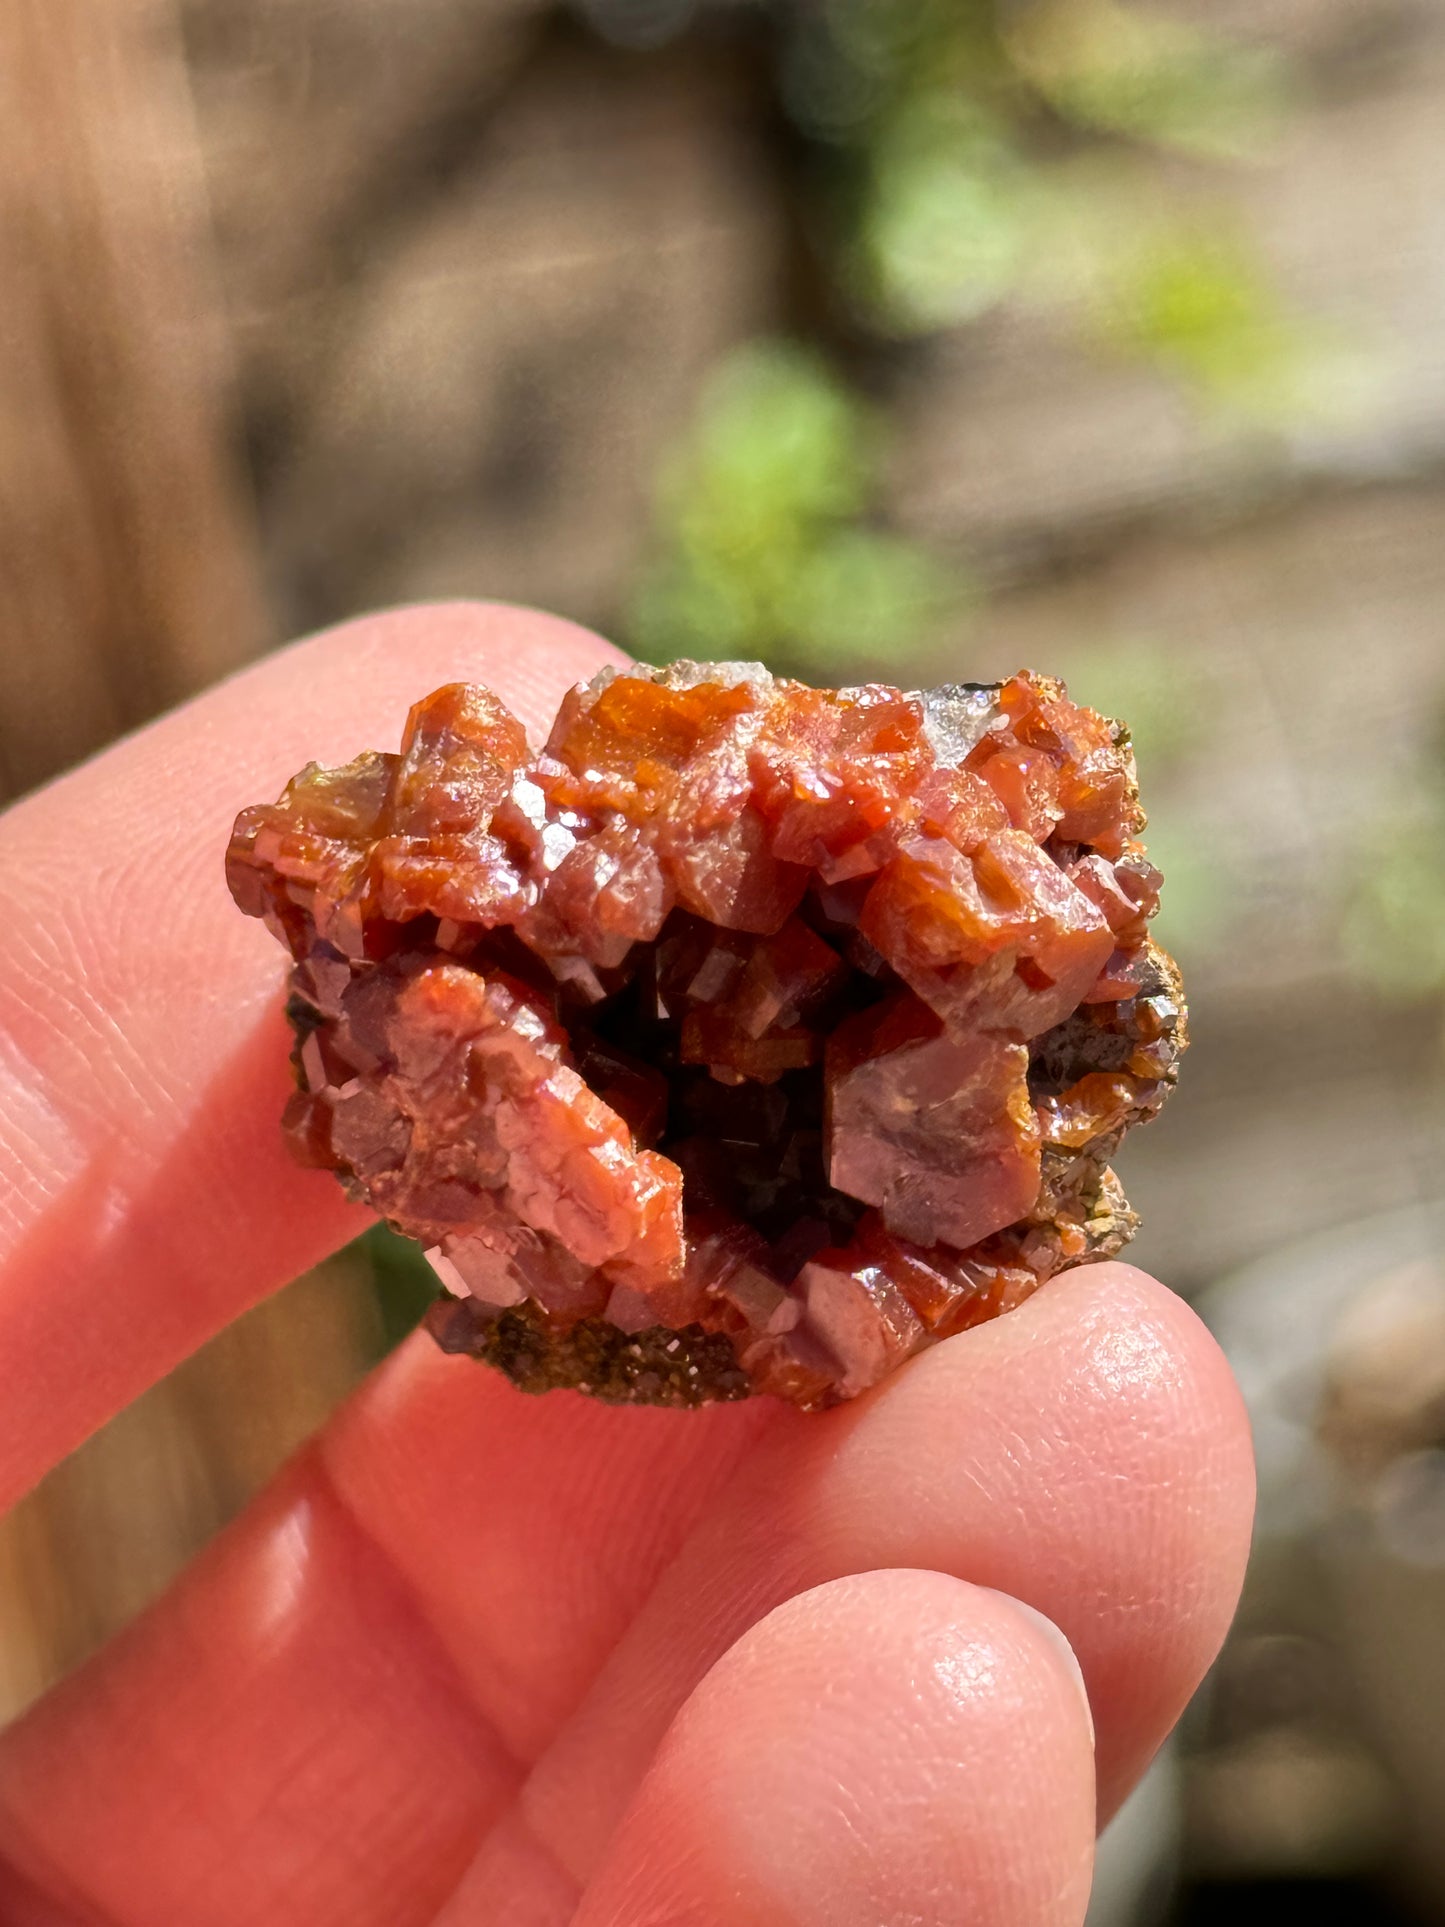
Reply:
x=145, y=1197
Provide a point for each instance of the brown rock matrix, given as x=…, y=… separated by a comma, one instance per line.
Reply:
x=750, y=1037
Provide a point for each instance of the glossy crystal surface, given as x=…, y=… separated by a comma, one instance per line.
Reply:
x=746, y=1037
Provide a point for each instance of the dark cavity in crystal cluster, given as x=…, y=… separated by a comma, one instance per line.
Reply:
x=749, y=1038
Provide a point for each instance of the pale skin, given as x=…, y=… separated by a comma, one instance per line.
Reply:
x=475, y=1658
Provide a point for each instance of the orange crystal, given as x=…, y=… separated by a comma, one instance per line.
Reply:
x=747, y=1037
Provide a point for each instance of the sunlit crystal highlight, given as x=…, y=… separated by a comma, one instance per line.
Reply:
x=745, y=1038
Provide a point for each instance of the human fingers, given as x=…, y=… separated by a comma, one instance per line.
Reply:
x=1086, y=1454
x=320, y=1723
x=145, y=1196
x=896, y=1747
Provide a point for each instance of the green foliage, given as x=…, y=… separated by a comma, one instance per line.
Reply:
x=763, y=550
x=966, y=153
x=948, y=219
x=1149, y=76
x=1201, y=307
x=933, y=188
x=961, y=137
x=402, y=1281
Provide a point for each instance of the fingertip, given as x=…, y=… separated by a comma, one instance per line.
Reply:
x=1144, y=1341
x=879, y=1748
x=1057, y=1646
x=1089, y=1453
x=1164, y=1453
x=1106, y=1345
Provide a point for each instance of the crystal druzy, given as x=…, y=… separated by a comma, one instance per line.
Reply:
x=747, y=1038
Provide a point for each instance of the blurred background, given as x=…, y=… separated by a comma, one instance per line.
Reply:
x=892, y=338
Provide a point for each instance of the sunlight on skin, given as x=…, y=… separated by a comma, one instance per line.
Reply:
x=283, y=1561
x=475, y=1654
x=1130, y=1360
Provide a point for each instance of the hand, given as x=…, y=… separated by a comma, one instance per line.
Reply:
x=479, y=1658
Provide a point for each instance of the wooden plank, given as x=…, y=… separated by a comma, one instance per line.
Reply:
x=128, y=574
x=128, y=578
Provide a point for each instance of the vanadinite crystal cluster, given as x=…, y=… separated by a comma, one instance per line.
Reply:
x=749, y=1037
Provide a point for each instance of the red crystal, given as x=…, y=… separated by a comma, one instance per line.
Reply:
x=747, y=1037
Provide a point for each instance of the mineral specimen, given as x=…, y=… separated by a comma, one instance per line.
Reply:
x=747, y=1038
